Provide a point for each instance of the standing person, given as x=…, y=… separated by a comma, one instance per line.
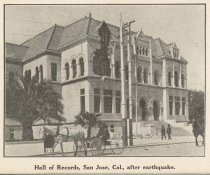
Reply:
x=169, y=132
x=163, y=132
x=104, y=133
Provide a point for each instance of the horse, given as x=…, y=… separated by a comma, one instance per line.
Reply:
x=198, y=129
x=64, y=134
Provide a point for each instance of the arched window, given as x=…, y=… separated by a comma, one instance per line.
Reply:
x=145, y=75
x=117, y=69
x=140, y=51
x=176, y=78
x=139, y=74
x=41, y=72
x=146, y=52
x=137, y=50
x=81, y=65
x=29, y=75
x=143, y=109
x=143, y=50
x=156, y=77
x=26, y=75
x=126, y=72
x=37, y=73
x=169, y=78
x=183, y=80
x=67, y=70
x=74, y=68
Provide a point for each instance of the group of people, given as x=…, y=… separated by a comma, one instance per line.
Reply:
x=168, y=131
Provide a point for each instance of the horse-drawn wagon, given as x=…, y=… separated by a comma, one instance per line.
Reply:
x=96, y=146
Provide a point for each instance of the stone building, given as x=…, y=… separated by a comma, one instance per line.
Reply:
x=83, y=62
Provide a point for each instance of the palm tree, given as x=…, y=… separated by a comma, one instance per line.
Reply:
x=89, y=120
x=26, y=100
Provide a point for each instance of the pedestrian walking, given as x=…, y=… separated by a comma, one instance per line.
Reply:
x=169, y=131
x=163, y=132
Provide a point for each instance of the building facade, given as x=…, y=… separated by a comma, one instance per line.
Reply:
x=83, y=62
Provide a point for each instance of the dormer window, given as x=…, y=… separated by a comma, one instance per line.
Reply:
x=175, y=53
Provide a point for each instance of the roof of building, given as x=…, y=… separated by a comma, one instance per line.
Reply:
x=58, y=37
x=15, y=52
x=12, y=122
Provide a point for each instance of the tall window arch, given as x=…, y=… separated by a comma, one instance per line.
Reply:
x=140, y=51
x=137, y=50
x=145, y=75
x=117, y=69
x=81, y=65
x=139, y=74
x=29, y=75
x=183, y=80
x=126, y=72
x=67, y=70
x=146, y=52
x=143, y=50
x=156, y=77
x=74, y=68
x=176, y=78
x=41, y=72
x=37, y=73
x=169, y=78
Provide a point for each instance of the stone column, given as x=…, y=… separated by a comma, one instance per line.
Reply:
x=165, y=104
x=78, y=69
x=173, y=110
x=186, y=107
x=150, y=63
x=180, y=111
x=113, y=61
x=164, y=73
x=101, y=101
x=180, y=76
x=172, y=78
x=113, y=102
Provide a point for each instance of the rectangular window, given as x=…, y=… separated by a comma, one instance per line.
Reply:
x=118, y=101
x=97, y=100
x=82, y=100
x=107, y=101
x=177, y=106
x=183, y=106
x=53, y=71
x=170, y=105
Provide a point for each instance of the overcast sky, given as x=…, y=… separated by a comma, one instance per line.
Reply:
x=182, y=24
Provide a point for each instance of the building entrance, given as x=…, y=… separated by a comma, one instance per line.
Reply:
x=156, y=110
x=142, y=105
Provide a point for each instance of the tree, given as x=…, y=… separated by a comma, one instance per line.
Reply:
x=89, y=120
x=26, y=100
x=196, y=104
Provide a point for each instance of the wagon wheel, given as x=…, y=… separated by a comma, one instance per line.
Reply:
x=116, y=144
x=97, y=146
x=80, y=149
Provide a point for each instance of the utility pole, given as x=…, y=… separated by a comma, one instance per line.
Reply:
x=123, y=88
x=130, y=123
x=127, y=121
x=135, y=54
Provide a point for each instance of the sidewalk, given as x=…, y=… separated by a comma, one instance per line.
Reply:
x=33, y=149
x=158, y=141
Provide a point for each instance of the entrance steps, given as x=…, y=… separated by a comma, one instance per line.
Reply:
x=152, y=128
